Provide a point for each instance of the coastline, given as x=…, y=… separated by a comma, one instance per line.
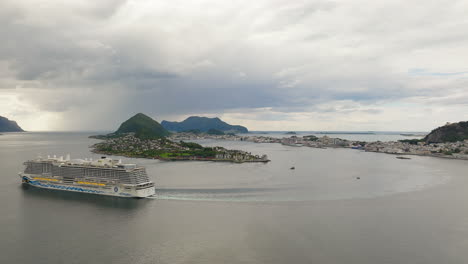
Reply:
x=448, y=150
x=421, y=155
x=180, y=147
x=191, y=158
x=164, y=149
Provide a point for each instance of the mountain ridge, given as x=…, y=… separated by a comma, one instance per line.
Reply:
x=203, y=124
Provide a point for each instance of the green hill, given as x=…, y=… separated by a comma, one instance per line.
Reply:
x=448, y=133
x=9, y=125
x=204, y=124
x=213, y=131
x=143, y=126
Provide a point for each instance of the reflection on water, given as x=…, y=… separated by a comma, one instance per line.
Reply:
x=31, y=193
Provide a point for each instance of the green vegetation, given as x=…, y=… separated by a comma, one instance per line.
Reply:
x=213, y=131
x=448, y=133
x=310, y=138
x=412, y=141
x=161, y=148
x=203, y=152
x=193, y=131
x=165, y=154
x=190, y=145
x=202, y=124
x=143, y=126
x=447, y=152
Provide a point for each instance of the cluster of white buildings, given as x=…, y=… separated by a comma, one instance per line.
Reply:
x=186, y=136
x=129, y=144
x=136, y=145
x=238, y=155
x=457, y=149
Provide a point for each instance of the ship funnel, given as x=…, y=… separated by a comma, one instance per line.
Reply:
x=120, y=161
x=55, y=156
x=68, y=157
x=61, y=158
x=48, y=156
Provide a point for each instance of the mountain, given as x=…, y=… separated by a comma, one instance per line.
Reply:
x=213, y=131
x=448, y=133
x=203, y=124
x=9, y=125
x=143, y=126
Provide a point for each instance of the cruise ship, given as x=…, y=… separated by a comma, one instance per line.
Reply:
x=103, y=176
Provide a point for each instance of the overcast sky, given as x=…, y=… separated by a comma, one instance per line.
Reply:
x=268, y=65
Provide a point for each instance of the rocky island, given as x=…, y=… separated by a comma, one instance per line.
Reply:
x=7, y=125
x=142, y=137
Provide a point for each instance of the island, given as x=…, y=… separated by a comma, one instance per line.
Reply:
x=7, y=125
x=203, y=124
x=143, y=137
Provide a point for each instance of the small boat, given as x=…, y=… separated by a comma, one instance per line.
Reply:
x=400, y=157
x=292, y=168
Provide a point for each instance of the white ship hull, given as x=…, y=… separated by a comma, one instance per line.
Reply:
x=110, y=190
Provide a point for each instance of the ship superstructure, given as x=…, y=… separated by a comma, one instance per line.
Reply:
x=103, y=176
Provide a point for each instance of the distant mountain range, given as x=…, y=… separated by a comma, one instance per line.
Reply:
x=448, y=133
x=9, y=125
x=203, y=124
x=143, y=126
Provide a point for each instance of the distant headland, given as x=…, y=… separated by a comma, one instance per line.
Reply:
x=450, y=132
x=142, y=137
x=7, y=125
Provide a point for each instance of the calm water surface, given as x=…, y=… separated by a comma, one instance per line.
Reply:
x=400, y=211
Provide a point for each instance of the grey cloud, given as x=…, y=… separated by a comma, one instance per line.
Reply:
x=288, y=13
x=425, y=72
x=289, y=56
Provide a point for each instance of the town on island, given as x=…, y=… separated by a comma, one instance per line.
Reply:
x=142, y=137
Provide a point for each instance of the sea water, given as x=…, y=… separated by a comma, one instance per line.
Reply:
x=336, y=206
